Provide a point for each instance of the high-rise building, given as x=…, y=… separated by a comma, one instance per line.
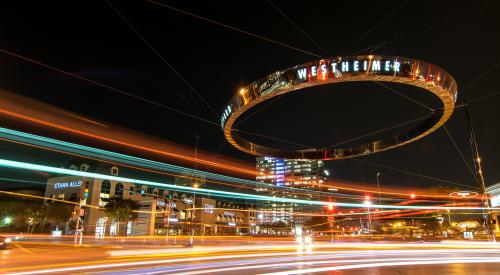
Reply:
x=274, y=174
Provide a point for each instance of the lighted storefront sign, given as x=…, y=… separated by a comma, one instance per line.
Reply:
x=209, y=208
x=231, y=224
x=69, y=184
x=231, y=214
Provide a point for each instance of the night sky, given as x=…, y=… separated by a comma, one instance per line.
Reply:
x=90, y=39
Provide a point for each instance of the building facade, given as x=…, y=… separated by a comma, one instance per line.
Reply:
x=274, y=174
x=494, y=196
x=160, y=211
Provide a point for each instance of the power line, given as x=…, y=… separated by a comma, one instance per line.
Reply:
x=478, y=99
x=458, y=150
x=410, y=173
x=404, y=96
x=381, y=130
x=298, y=28
x=107, y=87
x=460, y=16
x=374, y=26
x=161, y=57
x=479, y=77
x=259, y=110
x=235, y=29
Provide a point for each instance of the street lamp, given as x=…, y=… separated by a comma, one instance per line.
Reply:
x=196, y=186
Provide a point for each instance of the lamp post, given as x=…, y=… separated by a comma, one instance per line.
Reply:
x=195, y=185
x=368, y=204
x=378, y=187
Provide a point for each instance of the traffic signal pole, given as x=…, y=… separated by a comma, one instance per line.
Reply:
x=479, y=172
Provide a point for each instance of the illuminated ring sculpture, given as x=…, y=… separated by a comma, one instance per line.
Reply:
x=394, y=69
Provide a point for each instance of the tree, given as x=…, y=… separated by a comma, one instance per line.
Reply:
x=59, y=214
x=121, y=211
x=37, y=215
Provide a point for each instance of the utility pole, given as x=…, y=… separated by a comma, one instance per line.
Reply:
x=479, y=171
x=378, y=187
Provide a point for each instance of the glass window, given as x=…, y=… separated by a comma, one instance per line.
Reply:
x=106, y=187
x=119, y=190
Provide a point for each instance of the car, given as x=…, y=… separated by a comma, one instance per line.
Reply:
x=3, y=242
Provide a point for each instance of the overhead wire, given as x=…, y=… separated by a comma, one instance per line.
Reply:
x=102, y=85
x=304, y=33
x=235, y=29
x=136, y=31
x=411, y=173
x=450, y=137
x=457, y=16
x=404, y=96
x=374, y=26
x=381, y=130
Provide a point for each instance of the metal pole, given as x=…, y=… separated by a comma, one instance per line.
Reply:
x=77, y=226
x=479, y=171
x=369, y=221
x=378, y=186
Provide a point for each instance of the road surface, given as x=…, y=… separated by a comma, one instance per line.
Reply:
x=280, y=258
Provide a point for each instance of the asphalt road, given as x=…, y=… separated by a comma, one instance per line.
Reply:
x=279, y=258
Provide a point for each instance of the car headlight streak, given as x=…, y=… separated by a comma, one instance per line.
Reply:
x=220, y=193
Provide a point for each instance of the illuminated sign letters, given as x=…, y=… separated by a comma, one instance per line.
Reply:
x=209, y=208
x=69, y=184
x=350, y=66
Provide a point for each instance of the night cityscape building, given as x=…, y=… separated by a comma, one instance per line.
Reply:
x=160, y=211
x=276, y=173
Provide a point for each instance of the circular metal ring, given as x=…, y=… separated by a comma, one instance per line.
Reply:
x=343, y=69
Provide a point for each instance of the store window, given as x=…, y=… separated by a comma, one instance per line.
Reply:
x=100, y=228
x=119, y=190
x=104, y=194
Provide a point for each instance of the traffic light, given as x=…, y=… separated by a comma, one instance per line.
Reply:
x=86, y=190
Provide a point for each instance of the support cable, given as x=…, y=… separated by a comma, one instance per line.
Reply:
x=321, y=48
x=458, y=150
x=162, y=58
x=235, y=29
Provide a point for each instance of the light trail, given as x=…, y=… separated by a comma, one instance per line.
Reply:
x=15, y=107
x=130, y=161
x=262, y=260
x=384, y=263
x=163, y=168
x=44, y=168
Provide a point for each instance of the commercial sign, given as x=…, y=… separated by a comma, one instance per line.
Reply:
x=68, y=184
x=324, y=68
x=209, y=208
x=231, y=214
